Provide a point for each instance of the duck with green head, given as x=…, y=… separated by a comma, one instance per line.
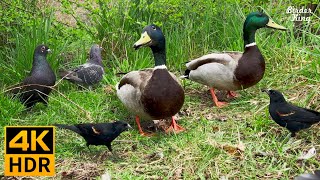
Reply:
x=153, y=93
x=232, y=71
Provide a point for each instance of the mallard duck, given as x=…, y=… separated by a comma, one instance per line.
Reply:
x=232, y=71
x=153, y=93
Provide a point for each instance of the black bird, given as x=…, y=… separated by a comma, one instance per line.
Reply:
x=89, y=73
x=99, y=133
x=292, y=117
x=34, y=88
x=309, y=176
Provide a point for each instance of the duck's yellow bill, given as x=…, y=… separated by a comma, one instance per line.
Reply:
x=274, y=25
x=144, y=40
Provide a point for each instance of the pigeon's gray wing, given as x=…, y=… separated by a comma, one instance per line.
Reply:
x=86, y=74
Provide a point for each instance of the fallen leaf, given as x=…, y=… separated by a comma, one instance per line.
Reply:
x=223, y=178
x=106, y=176
x=311, y=153
x=215, y=128
x=177, y=174
x=222, y=118
x=241, y=146
x=209, y=116
x=108, y=89
x=155, y=156
x=234, y=151
x=261, y=154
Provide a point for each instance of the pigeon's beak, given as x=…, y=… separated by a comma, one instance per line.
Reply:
x=49, y=50
x=265, y=90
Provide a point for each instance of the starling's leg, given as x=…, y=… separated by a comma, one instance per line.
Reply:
x=215, y=99
x=140, y=129
x=293, y=134
x=109, y=147
x=174, y=127
x=232, y=94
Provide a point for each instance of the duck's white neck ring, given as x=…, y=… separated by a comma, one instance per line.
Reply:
x=251, y=44
x=160, y=67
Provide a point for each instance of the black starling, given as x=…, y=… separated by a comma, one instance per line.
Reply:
x=292, y=117
x=98, y=133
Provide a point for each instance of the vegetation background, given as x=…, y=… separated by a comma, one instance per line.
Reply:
x=236, y=142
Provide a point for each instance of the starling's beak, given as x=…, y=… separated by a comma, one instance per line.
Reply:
x=49, y=50
x=265, y=90
x=274, y=25
x=143, y=41
x=129, y=127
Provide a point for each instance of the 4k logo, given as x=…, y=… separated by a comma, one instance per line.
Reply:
x=29, y=151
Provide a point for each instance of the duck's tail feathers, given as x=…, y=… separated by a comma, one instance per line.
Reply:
x=186, y=74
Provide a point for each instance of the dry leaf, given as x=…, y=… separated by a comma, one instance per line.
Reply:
x=209, y=116
x=155, y=156
x=222, y=118
x=234, y=151
x=215, y=128
x=241, y=146
x=177, y=174
x=106, y=176
x=312, y=152
x=108, y=89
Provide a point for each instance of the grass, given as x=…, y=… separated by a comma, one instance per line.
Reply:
x=212, y=146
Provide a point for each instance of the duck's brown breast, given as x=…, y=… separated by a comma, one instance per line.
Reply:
x=163, y=96
x=250, y=69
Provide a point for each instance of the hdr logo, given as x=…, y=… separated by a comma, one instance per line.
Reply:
x=29, y=151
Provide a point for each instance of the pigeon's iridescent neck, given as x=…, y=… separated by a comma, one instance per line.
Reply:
x=39, y=63
x=96, y=59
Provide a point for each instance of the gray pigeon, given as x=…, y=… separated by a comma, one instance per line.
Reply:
x=89, y=73
x=310, y=176
x=29, y=91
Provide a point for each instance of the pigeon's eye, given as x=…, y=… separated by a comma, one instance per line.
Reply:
x=153, y=27
x=43, y=48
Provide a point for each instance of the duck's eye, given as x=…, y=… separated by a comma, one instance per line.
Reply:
x=154, y=28
x=43, y=48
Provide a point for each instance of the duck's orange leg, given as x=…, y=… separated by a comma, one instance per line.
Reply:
x=215, y=99
x=140, y=129
x=174, y=127
x=232, y=94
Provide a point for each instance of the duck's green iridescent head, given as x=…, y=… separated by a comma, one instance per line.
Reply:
x=256, y=20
